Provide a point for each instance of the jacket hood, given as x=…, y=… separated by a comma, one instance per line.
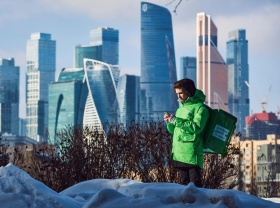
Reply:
x=199, y=96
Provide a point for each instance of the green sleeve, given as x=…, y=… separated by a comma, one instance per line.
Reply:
x=170, y=127
x=195, y=126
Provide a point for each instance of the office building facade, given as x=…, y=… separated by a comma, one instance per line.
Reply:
x=109, y=39
x=188, y=68
x=22, y=127
x=41, y=63
x=128, y=94
x=9, y=97
x=67, y=99
x=212, y=76
x=238, y=74
x=260, y=172
x=87, y=51
x=158, y=67
x=104, y=46
x=259, y=125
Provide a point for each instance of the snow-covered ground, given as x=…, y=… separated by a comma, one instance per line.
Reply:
x=18, y=189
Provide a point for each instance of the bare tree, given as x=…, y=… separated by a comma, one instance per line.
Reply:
x=139, y=151
x=222, y=172
x=4, y=157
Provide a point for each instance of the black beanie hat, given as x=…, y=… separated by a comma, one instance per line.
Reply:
x=189, y=86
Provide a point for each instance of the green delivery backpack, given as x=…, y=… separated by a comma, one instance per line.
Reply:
x=218, y=131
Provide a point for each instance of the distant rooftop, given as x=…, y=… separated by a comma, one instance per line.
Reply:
x=44, y=36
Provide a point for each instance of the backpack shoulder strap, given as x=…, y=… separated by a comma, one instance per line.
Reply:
x=199, y=105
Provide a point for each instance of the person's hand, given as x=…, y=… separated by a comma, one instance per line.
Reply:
x=167, y=117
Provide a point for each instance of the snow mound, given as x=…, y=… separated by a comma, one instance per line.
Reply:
x=19, y=189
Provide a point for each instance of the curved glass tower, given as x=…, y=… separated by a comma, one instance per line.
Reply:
x=158, y=68
x=101, y=105
x=84, y=96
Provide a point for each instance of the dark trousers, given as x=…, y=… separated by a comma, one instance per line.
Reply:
x=190, y=174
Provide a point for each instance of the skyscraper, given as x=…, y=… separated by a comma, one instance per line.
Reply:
x=211, y=68
x=101, y=105
x=109, y=39
x=128, y=94
x=238, y=73
x=87, y=51
x=41, y=59
x=84, y=96
x=104, y=47
x=67, y=98
x=158, y=67
x=9, y=97
x=188, y=68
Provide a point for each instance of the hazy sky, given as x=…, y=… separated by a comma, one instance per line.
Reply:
x=70, y=21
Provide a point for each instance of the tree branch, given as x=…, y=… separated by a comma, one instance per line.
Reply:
x=175, y=10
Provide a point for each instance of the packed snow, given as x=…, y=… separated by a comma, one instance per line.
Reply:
x=19, y=189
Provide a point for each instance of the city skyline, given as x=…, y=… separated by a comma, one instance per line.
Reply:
x=70, y=22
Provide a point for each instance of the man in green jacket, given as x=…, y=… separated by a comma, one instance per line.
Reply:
x=187, y=127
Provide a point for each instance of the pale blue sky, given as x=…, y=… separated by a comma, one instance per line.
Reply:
x=70, y=21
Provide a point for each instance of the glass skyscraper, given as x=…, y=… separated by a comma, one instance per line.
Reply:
x=104, y=46
x=238, y=74
x=90, y=52
x=41, y=63
x=128, y=94
x=158, y=67
x=9, y=97
x=211, y=73
x=188, y=68
x=101, y=104
x=109, y=39
x=84, y=96
x=67, y=98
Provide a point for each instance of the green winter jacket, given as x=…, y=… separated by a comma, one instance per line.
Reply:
x=187, y=128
